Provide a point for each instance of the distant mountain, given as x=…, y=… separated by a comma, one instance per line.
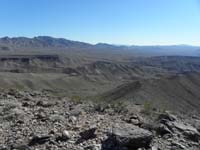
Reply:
x=109, y=46
x=40, y=42
x=46, y=43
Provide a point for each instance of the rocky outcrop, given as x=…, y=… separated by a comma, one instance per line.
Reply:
x=34, y=64
x=29, y=63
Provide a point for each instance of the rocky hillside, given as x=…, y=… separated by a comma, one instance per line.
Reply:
x=178, y=93
x=37, y=120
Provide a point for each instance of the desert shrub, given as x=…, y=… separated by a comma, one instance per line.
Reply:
x=147, y=107
x=76, y=99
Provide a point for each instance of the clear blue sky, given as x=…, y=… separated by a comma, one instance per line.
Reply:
x=139, y=22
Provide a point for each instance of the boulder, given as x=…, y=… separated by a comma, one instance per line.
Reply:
x=131, y=136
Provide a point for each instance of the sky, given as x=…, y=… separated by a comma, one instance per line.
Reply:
x=130, y=22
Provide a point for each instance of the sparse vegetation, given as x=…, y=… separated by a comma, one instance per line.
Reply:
x=76, y=99
x=147, y=107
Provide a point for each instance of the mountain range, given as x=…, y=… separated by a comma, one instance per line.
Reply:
x=50, y=43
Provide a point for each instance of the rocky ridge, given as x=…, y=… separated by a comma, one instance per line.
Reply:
x=36, y=120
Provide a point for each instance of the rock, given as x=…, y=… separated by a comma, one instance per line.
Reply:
x=149, y=126
x=15, y=115
x=28, y=104
x=72, y=119
x=43, y=103
x=190, y=132
x=182, y=127
x=66, y=134
x=193, y=136
x=41, y=116
x=197, y=125
x=135, y=120
x=3, y=147
x=94, y=147
x=39, y=140
x=162, y=130
x=57, y=118
x=154, y=148
x=167, y=116
x=28, y=98
x=21, y=147
x=178, y=146
x=88, y=134
x=99, y=108
x=13, y=92
x=76, y=110
x=131, y=136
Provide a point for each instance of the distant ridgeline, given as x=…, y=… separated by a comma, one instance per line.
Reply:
x=44, y=43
